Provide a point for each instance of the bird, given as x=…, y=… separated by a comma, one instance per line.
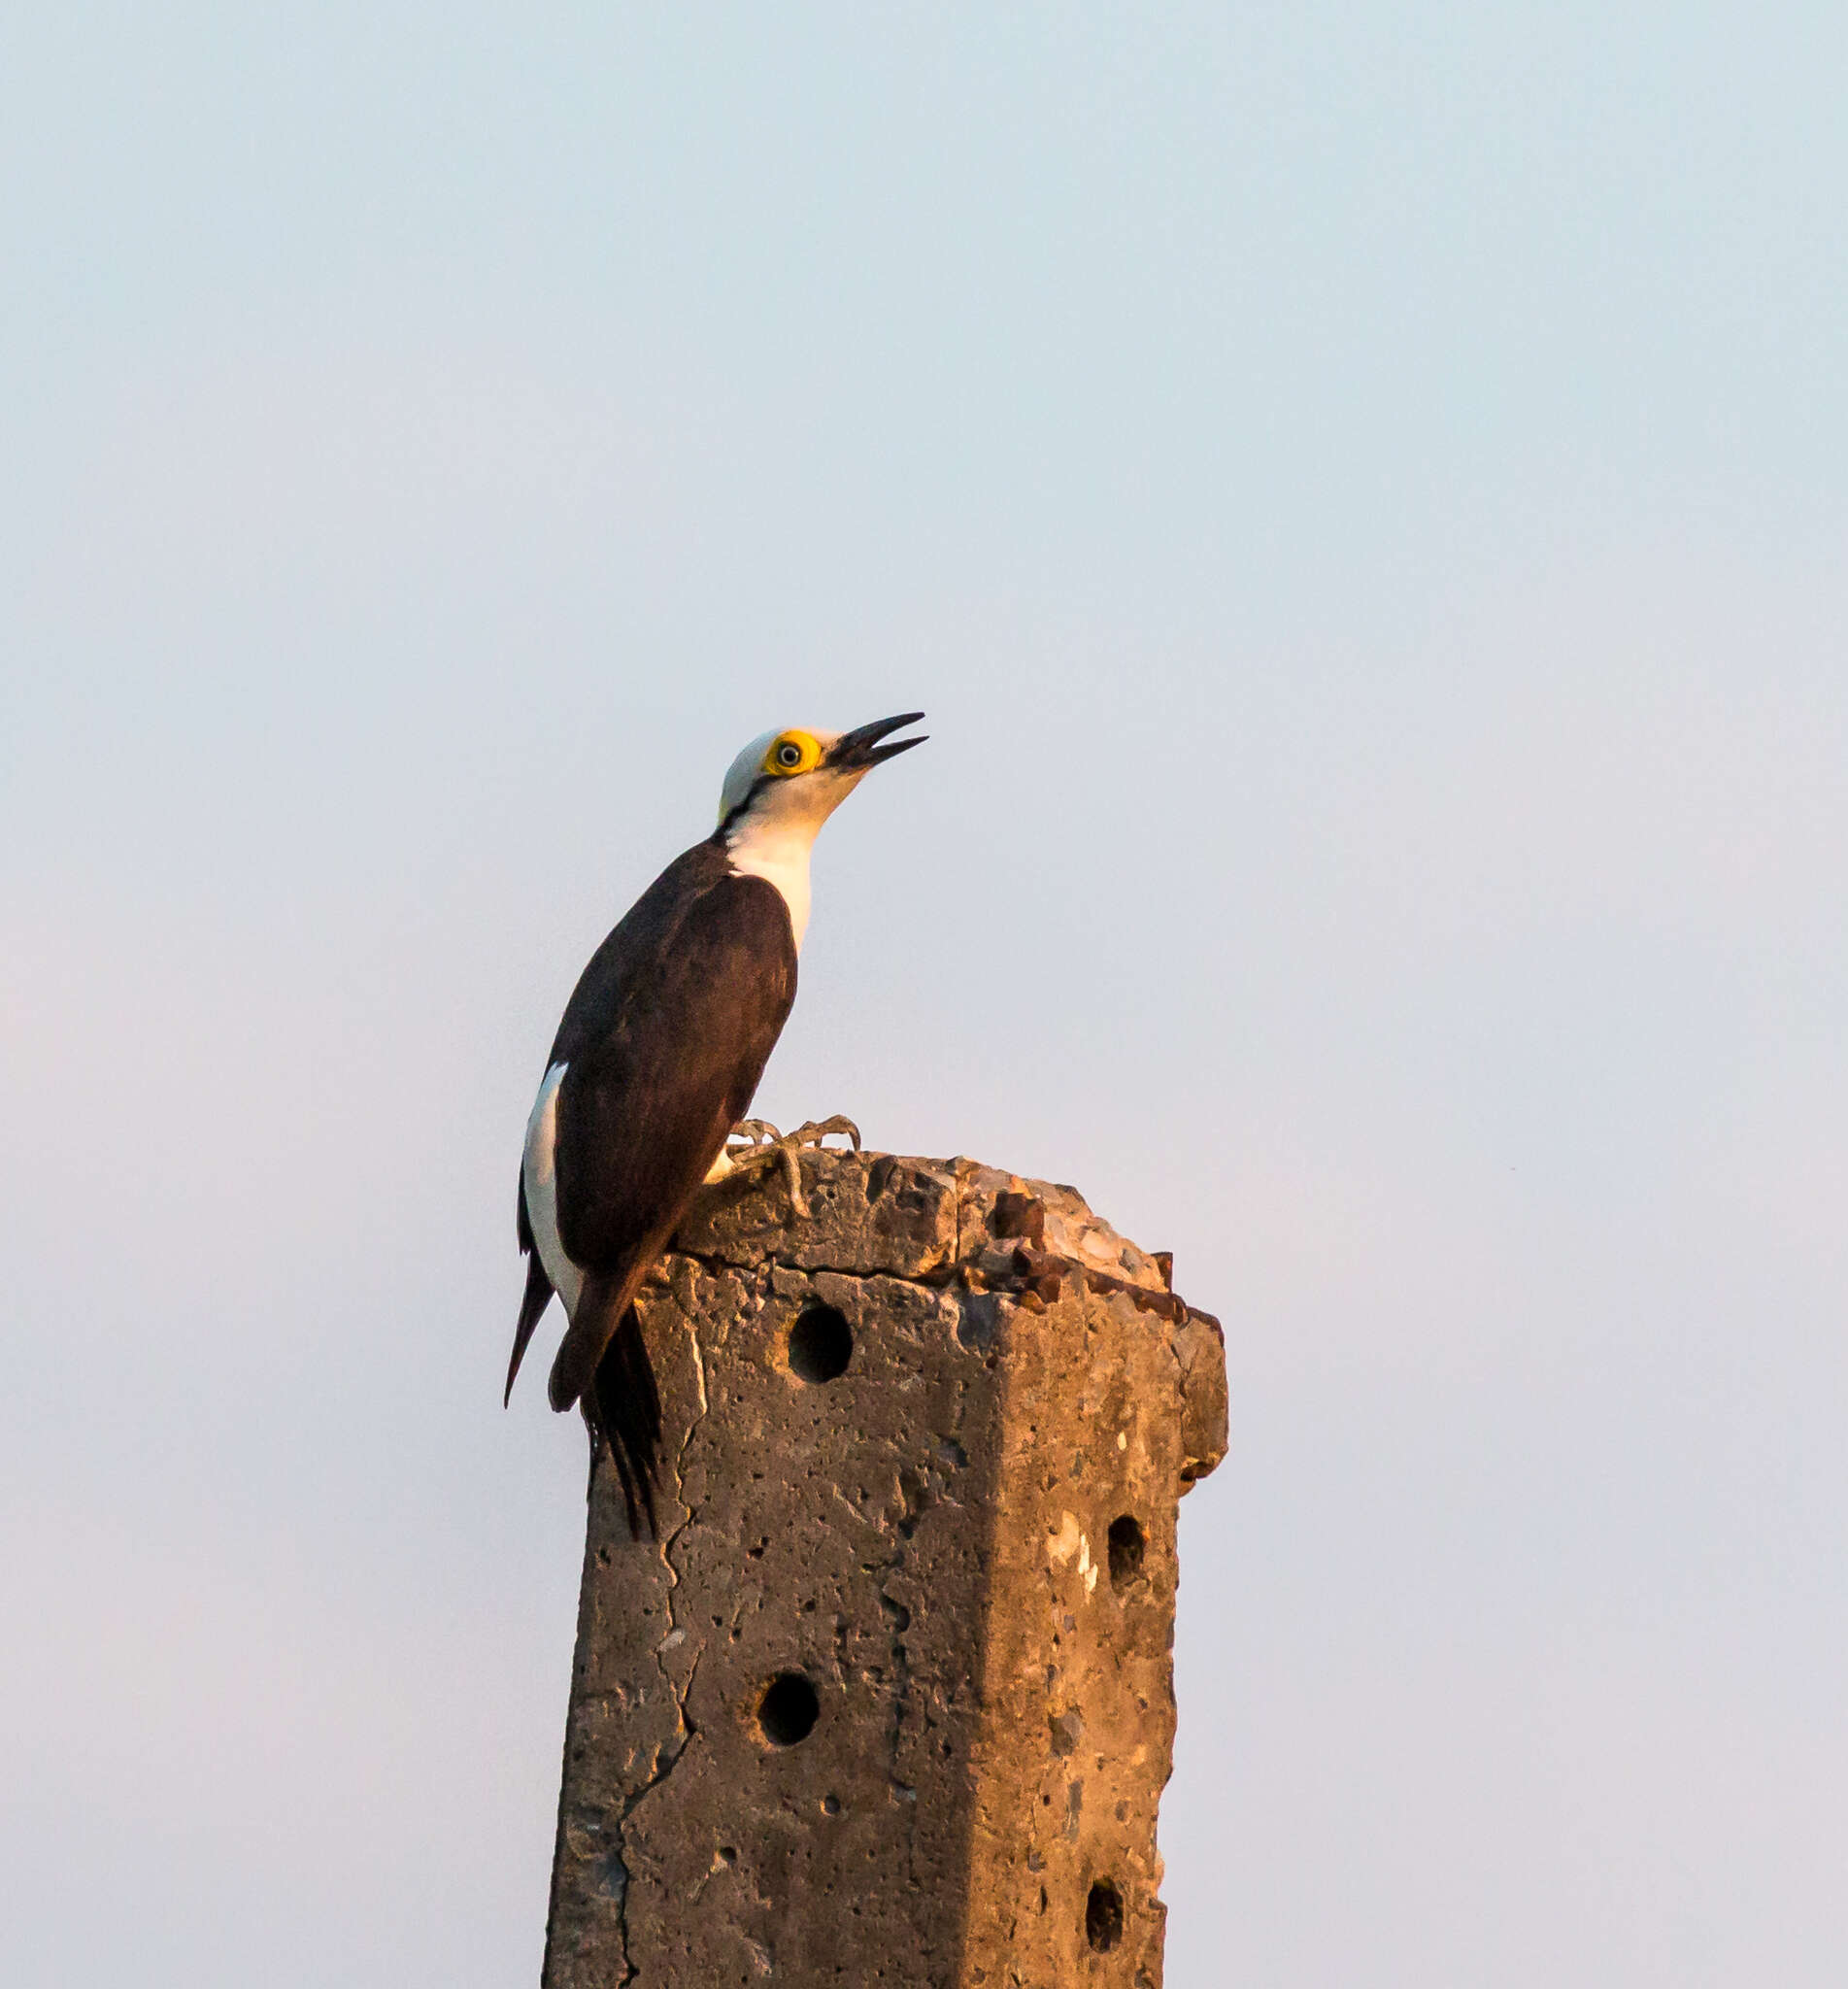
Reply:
x=653, y=1070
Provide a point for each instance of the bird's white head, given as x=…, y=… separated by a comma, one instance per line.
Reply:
x=783, y=787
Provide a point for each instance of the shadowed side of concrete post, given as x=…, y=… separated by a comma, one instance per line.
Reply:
x=892, y=1699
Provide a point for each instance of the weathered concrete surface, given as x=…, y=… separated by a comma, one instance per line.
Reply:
x=923, y=1453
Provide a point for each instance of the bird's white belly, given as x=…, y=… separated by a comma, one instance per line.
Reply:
x=540, y=1180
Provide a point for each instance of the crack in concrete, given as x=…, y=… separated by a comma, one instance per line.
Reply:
x=931, y=1279
x=665, y=1761
x=669, y=1758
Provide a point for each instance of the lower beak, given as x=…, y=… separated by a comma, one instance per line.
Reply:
x=858, y=750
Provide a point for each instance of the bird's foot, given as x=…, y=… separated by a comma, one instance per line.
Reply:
x=755, y=1141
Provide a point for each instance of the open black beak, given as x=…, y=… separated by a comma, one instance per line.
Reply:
x=860, y=749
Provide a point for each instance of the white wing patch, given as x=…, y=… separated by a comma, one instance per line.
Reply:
x=542, y=1192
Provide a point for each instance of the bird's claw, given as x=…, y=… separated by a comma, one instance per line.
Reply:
x=760, y=1141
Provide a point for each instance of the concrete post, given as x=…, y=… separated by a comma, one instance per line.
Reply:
x=892, y=1701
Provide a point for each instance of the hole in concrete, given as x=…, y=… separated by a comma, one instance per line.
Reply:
x=820, y=1344
x=1103, y=1917
x=789, y=1709
x=1127, y=1542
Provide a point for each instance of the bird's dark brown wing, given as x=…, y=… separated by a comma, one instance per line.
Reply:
x=625, y=957
x=649, y=1097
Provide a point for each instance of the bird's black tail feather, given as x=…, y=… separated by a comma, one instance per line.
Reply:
x=538, y=1296
x=622, y=1407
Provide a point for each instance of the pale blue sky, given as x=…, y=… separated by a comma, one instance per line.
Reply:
x=1362, y=494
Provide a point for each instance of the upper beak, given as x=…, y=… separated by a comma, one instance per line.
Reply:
x=860, y=749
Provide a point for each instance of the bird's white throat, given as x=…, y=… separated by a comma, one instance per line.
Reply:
x=776, y=848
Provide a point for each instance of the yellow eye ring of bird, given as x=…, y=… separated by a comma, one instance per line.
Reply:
x=793, y=753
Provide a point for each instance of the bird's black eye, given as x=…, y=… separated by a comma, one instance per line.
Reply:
x=789, y=753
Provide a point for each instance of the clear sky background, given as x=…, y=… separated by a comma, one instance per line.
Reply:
x=1361, y=493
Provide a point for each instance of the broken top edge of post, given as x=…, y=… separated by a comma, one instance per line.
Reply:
x=934, y=1221
x=959, y=1222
